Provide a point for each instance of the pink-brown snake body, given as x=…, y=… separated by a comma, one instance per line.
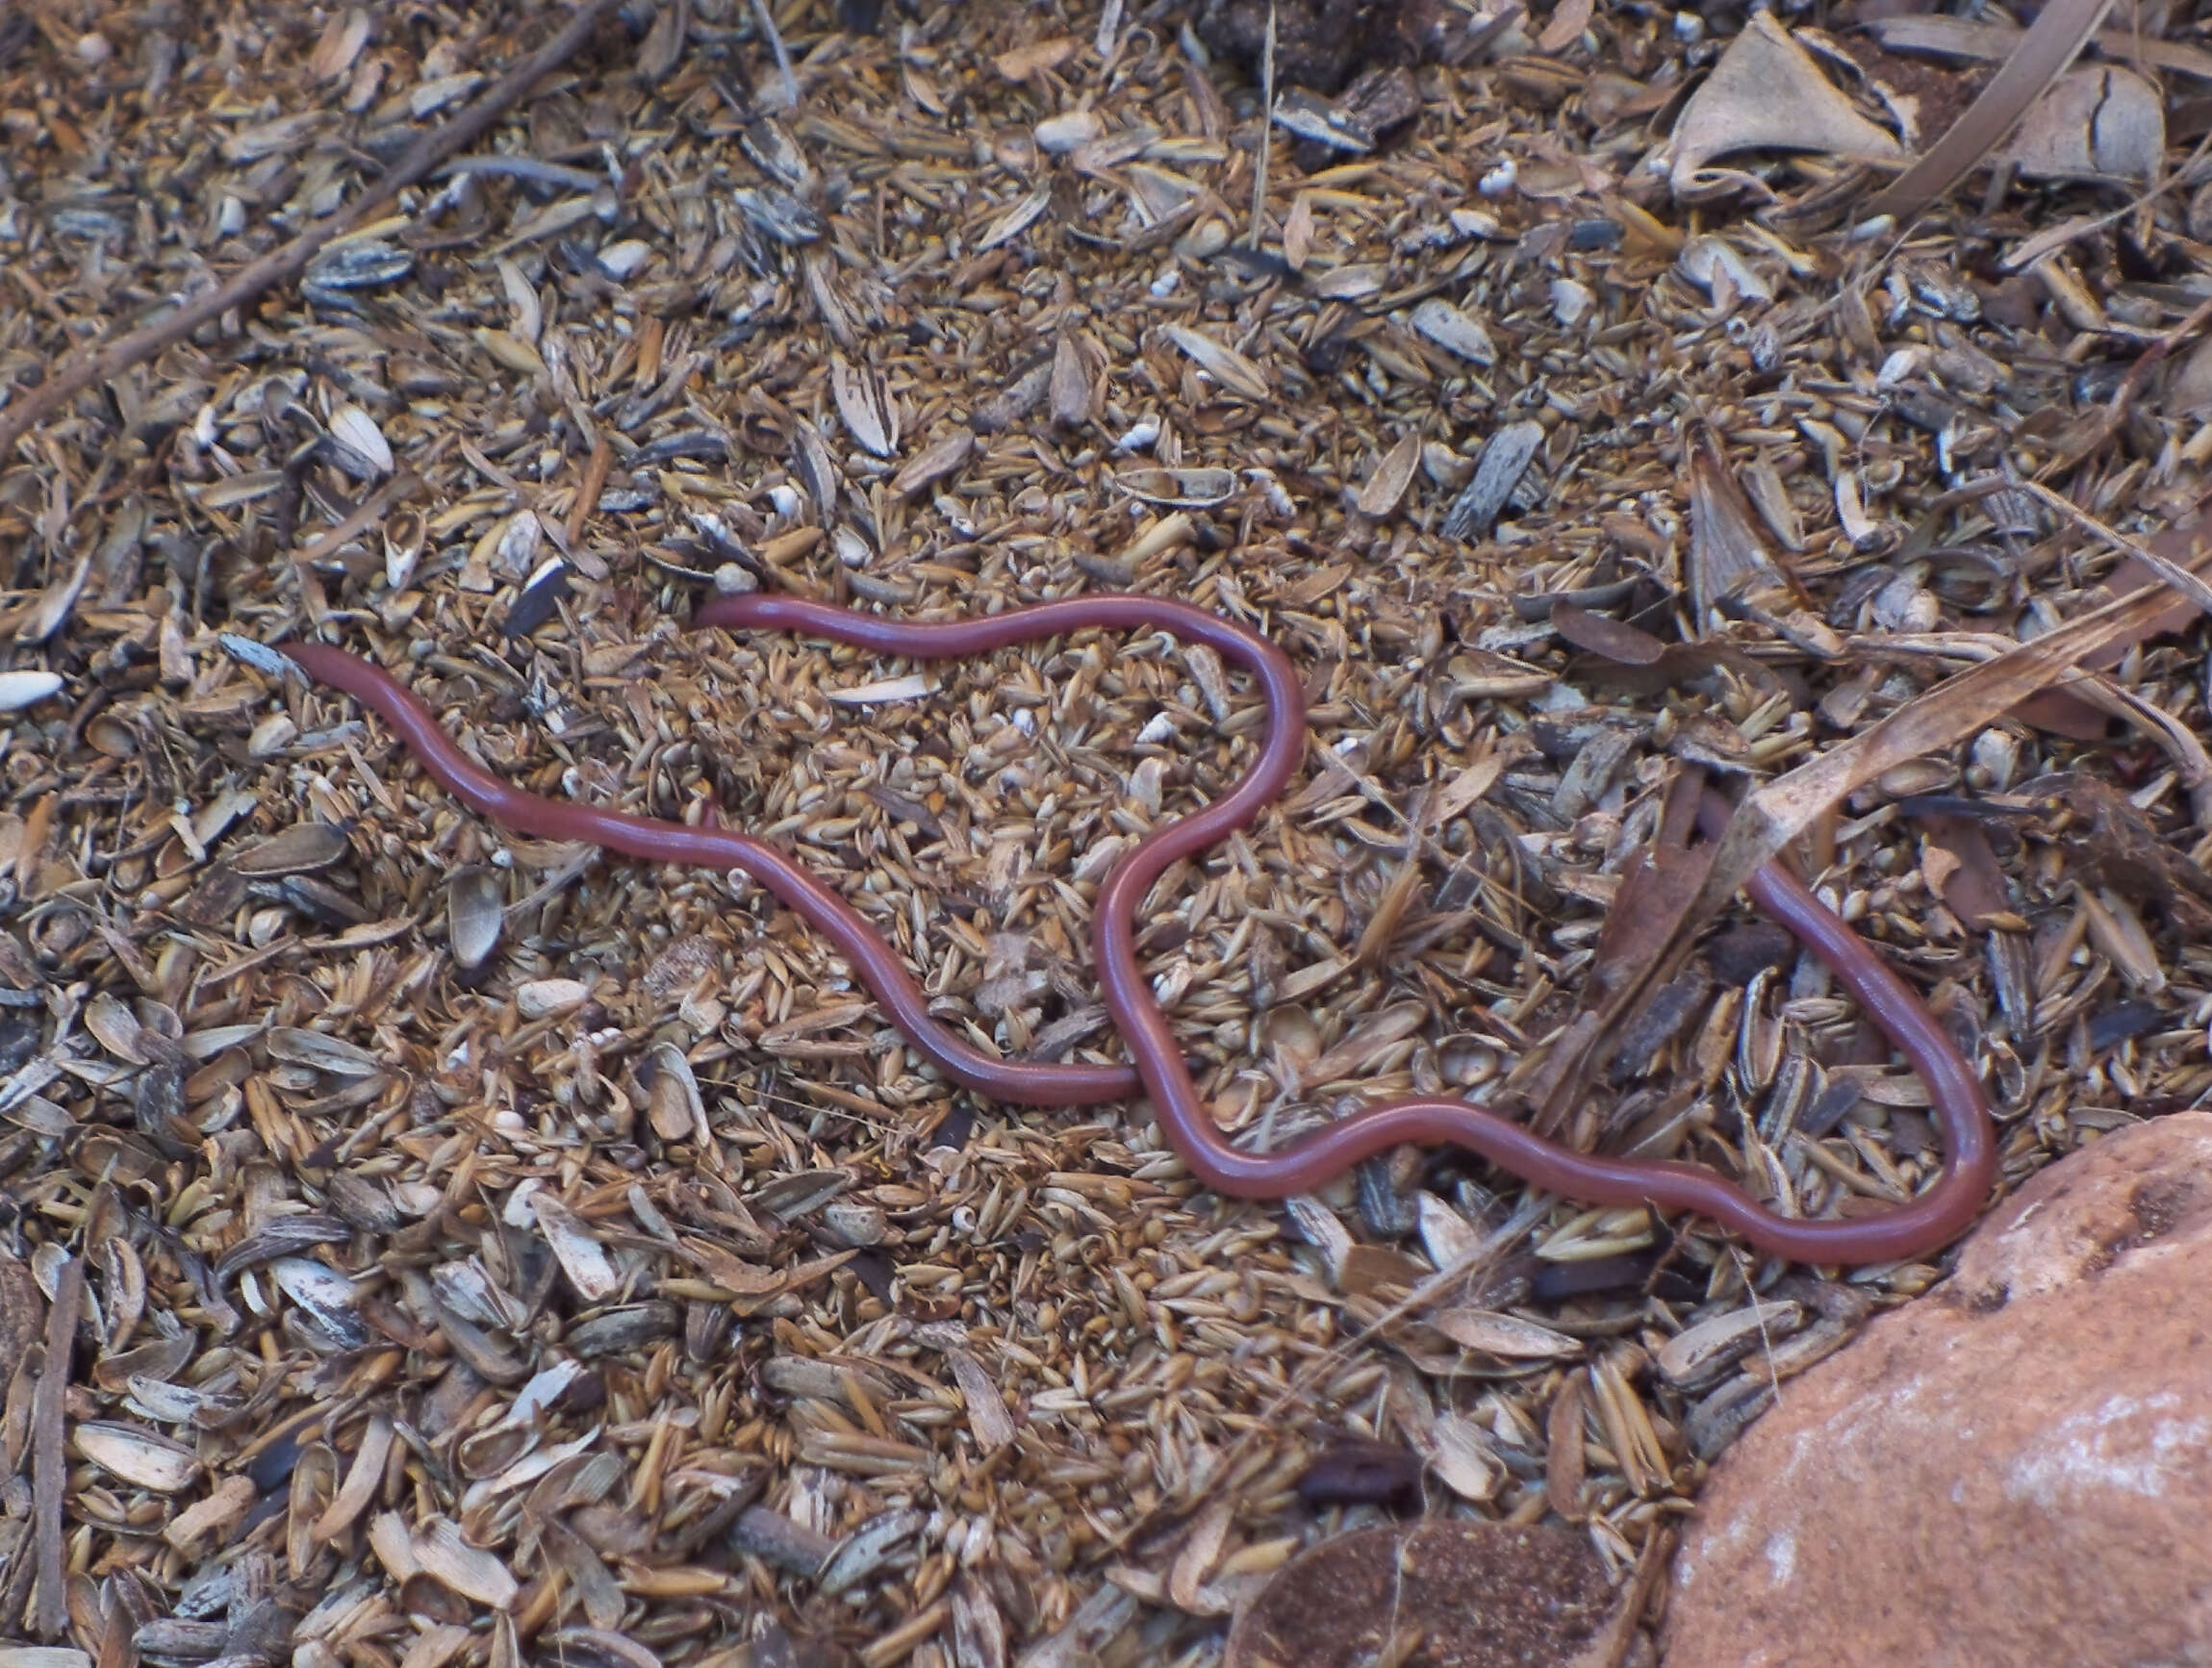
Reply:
x=1929, y=1221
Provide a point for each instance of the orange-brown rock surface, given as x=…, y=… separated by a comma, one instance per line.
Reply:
x=2015, y=1470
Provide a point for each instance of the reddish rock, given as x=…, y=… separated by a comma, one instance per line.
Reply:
x=2015, y=1470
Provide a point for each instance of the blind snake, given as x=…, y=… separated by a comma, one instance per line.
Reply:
x=1927, y=1222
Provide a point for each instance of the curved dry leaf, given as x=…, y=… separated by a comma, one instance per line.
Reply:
x=2102, y=123
x=2052, y=43
x=1766, y=93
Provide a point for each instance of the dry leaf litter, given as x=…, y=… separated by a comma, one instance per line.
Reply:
x=474, y=1250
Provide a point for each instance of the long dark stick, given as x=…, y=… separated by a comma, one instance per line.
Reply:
x=85, y=370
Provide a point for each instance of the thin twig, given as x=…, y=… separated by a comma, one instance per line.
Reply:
x=49, y=1464
x=87, y=370
x=1266, y=132
x=2189, y=584
x=782, y=53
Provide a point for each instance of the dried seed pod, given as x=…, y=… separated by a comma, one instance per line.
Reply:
x=321, y=1052
x=1698, y=1355
x=475, y=911
x=546, y=998
x=367, y=264
x=303, y=848
x=788, y=1198
x=1385, y=487
x=142, y=1458
x=871, y=415
x=1235, y=372
x=1070, y=384
x=325, y=1296
x=673, y=1103
x=1059, y=135
x=1185, y=489
x=1454, y=331
x=1506, y=1337
x=779, y=216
